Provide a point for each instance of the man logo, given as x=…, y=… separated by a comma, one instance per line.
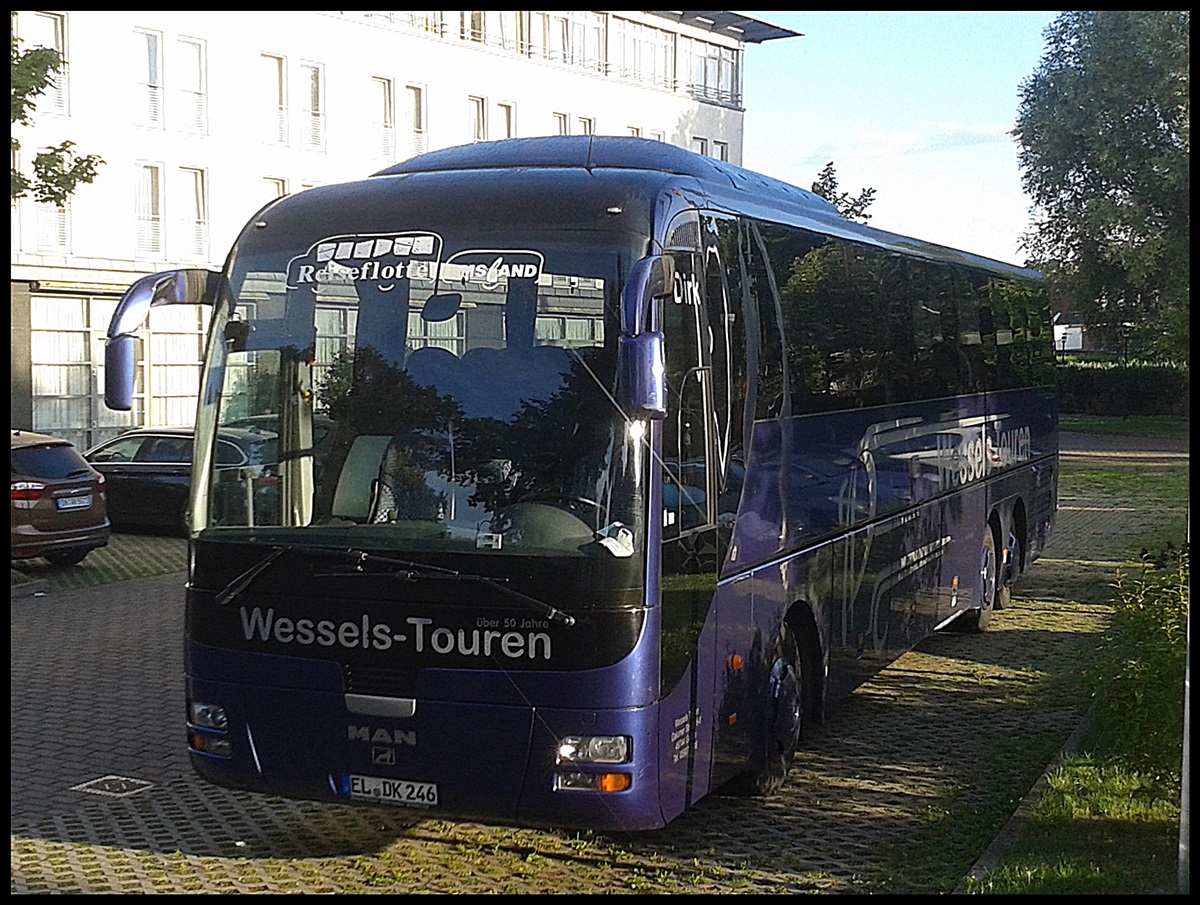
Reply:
x=406, y=737
x=385, y=757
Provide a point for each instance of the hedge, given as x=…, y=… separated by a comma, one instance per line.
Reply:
x=1110, y=388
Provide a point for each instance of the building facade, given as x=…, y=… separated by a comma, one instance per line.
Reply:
x=201, y=118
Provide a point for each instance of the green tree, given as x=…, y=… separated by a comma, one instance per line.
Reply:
x=1104, y=134
x=57, y=170
x=851, y=208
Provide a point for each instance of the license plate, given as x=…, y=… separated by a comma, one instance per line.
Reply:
x=394, y=791
x=75, y=502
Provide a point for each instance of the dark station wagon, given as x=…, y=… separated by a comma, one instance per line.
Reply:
x=149, y=471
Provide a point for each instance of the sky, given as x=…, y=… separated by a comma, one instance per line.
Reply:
x=917, y=106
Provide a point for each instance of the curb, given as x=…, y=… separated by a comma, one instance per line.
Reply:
x=995, y=853
x=24, y=586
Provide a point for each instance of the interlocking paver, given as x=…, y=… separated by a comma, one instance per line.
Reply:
x=910, y=762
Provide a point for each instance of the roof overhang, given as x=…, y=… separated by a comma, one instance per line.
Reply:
x=732, y=25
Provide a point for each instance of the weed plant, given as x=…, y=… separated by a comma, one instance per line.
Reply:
x=1109, y=819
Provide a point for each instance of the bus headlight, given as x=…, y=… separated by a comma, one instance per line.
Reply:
x=207, y=716
x=594, y=749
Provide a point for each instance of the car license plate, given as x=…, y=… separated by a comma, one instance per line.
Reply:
x=75, y=502
x=394, y=791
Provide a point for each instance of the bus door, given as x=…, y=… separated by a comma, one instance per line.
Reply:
x=689, y=550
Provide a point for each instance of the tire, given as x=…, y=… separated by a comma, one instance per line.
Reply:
x=977, y=619
x=776, y=746
x=1010, y=568
x=68, y=557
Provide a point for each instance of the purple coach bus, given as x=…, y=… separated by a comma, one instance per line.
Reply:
x=621, y=448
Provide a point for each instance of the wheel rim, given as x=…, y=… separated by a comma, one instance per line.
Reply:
x=987, y=571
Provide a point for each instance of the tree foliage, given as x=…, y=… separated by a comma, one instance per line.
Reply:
x=851, y=208
x=1104, y=133
x=57, y=170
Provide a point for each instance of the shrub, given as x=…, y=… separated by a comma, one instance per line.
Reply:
x=1110, y=388
x=1137, y=677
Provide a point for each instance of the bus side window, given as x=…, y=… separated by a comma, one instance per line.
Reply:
x=685, y=430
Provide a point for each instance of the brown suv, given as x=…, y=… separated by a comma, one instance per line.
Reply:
x=58, y=505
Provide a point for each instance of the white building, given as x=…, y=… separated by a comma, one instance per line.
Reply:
x=203, y=117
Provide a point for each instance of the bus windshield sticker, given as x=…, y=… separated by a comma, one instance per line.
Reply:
x=491, y=267
x=380, y=258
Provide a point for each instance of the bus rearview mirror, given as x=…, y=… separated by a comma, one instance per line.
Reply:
x=642, y=376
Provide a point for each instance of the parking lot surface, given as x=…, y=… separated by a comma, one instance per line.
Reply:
x=103, y=799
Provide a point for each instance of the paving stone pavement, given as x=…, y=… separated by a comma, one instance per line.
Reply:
x=908, y=767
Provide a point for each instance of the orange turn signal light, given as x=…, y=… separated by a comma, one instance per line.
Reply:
x=615, y=782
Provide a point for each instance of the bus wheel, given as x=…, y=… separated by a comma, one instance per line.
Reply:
x=1010, y=569
x=976, y=620
x=777, y=745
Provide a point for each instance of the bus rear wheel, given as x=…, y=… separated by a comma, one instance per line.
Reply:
x=977, y=619
x=785, y=708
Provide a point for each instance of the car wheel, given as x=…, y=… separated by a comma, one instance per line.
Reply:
x=69, y=558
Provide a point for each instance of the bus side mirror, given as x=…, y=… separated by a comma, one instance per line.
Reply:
x=650, y=278
x=118, y=373
x=171, y=287
x=642, y=383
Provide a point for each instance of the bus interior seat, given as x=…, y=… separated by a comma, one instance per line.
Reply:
x=504, y=378
x=432, y=366
x=356, y=485
x=394, y=494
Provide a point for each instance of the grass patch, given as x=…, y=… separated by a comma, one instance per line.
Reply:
x=1157, y=484
x=1110, y=819
x=1168, y=426
x=1097, y=830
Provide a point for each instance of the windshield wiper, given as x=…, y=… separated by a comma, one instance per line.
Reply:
x=408, y=570
x=242, y=582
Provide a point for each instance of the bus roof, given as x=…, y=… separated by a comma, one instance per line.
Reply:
x=724, y=184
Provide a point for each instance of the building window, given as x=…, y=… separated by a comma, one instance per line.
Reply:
x=384, y=122
x=562, y=124
x=193, y=224
x=478, y=119
x=587, y=125
x=176, y=350
x=148, y=203
x=720, y=150
x=714, y=73
x=414, y=118
x=53, y=227
x=336, y=327
x=67, y=342
x=422, y=20
x=193, y=86
x=634, y=131
x=643, y=54
x=274, y=87
x=38, y=29
x=506, y=120
x=448, y=334
x=700, y=146
x=658, y=136
x=472, y=28
x=509, y=31
x=150, y=86
x=314, y=105
x=275, y=187
x=576, y=39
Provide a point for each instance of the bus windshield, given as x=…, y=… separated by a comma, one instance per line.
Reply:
x=442, y=388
